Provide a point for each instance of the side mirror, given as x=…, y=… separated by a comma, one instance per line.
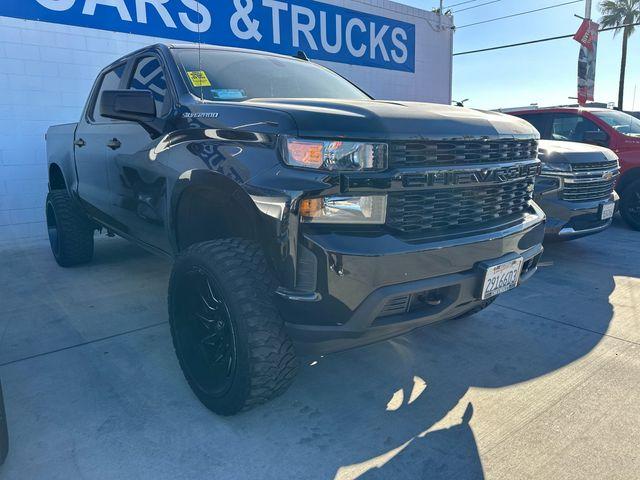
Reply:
x=596, y=137
x=131, y=105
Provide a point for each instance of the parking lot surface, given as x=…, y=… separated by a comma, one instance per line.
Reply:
x=543, y=384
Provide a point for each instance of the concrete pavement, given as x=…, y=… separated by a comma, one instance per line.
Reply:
x=543, y=384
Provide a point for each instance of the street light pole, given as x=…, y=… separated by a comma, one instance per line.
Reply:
x=587, y=9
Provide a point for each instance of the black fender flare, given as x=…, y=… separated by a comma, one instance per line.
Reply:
x=69, y=179
x=53, y=166
x=223, y=186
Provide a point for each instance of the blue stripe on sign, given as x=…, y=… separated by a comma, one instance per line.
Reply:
x=324, y=32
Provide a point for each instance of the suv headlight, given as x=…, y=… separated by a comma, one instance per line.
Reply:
x=335, y=155
x=370, y=210
x=552, y=168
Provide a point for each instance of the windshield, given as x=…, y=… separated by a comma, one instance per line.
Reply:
x=621, y=122
x=220, y=75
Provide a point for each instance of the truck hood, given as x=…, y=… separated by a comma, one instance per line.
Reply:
x=570, y=152
x=379, y=119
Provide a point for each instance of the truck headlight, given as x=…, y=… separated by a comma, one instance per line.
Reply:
x=335, y=155
x=347, y=210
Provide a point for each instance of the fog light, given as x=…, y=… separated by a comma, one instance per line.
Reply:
x=370, y=210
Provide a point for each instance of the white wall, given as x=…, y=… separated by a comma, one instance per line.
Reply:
x=47, y=70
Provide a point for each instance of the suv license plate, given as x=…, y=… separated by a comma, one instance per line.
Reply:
x=501, y=278
x=607, y=210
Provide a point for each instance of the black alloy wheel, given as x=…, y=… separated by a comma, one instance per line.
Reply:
x=206, y=333
x=228, y=335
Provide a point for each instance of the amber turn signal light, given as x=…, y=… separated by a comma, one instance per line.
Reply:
x=310, y=207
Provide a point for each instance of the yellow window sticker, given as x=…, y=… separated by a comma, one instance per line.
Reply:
x=199, y=79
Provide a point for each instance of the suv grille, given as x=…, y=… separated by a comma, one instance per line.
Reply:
x=429, y=210
x=434, y=153
x=586, y=191
x=594, y=166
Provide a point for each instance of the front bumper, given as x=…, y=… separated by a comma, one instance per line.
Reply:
x=363, y=281
x=569, y=220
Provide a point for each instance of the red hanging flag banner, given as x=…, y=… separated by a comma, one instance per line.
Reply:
x=587, y=36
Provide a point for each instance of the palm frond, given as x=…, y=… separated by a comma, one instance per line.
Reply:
x=617, y=13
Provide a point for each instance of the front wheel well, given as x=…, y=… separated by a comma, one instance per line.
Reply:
x=205, y=214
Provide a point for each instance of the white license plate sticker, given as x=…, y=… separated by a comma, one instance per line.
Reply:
x=501, y=278
x=607, y=211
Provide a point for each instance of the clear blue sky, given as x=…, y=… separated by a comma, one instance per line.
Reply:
x=543, y=73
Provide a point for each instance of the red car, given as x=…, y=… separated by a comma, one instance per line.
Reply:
x=613, y=129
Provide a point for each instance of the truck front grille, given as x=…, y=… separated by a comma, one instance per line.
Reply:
x=588, y=191
x=594, y=166
x=433, y=211
x=456, y=153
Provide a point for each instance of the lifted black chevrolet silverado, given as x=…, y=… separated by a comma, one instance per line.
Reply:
x=298, y=209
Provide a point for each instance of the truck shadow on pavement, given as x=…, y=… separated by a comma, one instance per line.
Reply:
x=394, y=395
x=406, y=408
x=424, y=405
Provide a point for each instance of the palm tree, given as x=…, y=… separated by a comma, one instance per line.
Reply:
x=621, y=14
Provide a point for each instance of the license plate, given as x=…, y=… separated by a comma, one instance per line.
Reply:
x=501, y=278
x=607, y=211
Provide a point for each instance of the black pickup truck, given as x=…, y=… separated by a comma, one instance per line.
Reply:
x=299, y=211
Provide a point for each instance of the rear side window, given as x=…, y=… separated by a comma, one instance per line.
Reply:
x=572, y=127
x=148, y=75
x=110, y=81
x=539, y=121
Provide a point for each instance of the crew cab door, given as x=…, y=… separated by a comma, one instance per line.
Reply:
x=90, y=146
x=137, y=181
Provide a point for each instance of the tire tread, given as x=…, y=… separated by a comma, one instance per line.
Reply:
x=272, y=358
x=75, y=230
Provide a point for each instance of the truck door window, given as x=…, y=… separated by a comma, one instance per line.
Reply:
x=110, y=81
x=148, y=75
x=572, y=128
x=621, y=122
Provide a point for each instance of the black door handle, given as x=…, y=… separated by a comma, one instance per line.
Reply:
x=80, y=143
x=114, y=144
